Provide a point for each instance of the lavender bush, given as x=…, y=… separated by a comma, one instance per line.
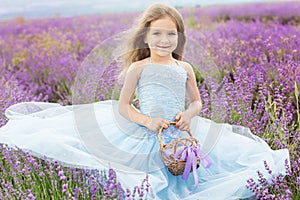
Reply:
x=259, y=65
x=255, y=49
x=24, y=176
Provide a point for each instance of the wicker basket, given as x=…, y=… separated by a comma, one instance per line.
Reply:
x=171, y=153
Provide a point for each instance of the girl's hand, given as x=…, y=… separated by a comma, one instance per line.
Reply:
x=154, y=124
x=183, y=121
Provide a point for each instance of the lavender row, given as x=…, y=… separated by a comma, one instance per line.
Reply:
x=285, y=12
x=24, y=176
x=256, y=80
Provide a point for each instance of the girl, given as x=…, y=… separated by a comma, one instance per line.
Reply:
x=159, y=40
x=118, y=134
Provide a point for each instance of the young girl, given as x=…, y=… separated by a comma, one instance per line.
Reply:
x=116, y=134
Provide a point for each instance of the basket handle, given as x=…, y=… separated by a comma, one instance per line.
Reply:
x=161, y=144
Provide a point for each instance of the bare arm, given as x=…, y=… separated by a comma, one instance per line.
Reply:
x=193, y=93
x=184, y=118
x=125, y=107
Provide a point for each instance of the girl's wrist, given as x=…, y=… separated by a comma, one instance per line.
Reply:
x=195, y=108
x=189, y=113
x=147, y=121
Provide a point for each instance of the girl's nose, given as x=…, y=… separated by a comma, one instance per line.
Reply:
x=165, y=38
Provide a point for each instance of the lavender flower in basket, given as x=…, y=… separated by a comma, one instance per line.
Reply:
x=182, y=156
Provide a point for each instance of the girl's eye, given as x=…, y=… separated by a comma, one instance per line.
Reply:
x=172, y=33
x=156, y=33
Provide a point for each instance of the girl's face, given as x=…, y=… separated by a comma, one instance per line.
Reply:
x=162, y=37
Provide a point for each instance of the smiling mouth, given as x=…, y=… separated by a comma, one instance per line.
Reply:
x=163, y=47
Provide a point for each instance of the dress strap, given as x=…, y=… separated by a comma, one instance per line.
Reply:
x=176, y=62
x=150, y=61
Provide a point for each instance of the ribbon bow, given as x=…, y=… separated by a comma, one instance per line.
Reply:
x=190, y=155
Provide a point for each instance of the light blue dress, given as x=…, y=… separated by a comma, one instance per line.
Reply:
x=96, y=136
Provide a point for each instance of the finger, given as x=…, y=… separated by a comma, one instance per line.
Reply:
x=178, y=116
x=160, y=127
x=178, y=123
x=168, y=123
x=165, y=125
x=184, y=126
x=187, y=128
x=182, y=123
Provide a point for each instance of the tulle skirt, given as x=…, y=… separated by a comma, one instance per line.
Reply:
x=96, y=136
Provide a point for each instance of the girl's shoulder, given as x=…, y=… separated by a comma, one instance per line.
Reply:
x=186, y=66
x=140, y=63
x=138, y=66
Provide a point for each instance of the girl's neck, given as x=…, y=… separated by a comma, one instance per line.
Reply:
x=162, y=60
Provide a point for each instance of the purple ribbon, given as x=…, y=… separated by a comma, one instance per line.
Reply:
x=190, y=155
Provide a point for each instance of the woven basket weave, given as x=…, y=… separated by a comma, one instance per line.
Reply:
x=168, y=152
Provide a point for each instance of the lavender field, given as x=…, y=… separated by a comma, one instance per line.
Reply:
x=254, y=81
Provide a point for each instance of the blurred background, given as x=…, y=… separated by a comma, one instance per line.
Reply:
x=40, y=9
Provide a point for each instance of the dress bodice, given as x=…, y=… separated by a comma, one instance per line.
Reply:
x=161, y=90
